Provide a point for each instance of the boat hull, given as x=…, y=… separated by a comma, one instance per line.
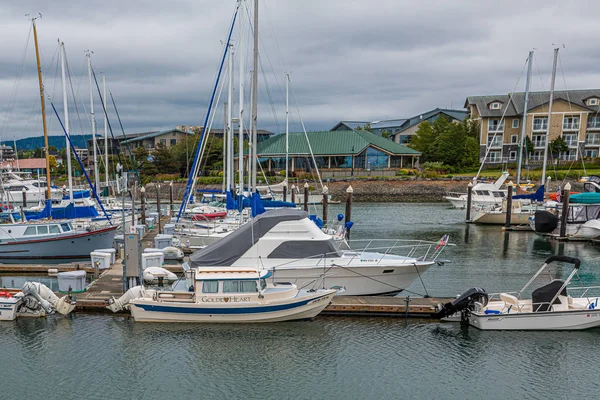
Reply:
x=492, y=218
x=61, y=247
x=540, y=321
x=306, y=307
x=356, y=281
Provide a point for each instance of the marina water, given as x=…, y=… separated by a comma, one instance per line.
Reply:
x=111, y=357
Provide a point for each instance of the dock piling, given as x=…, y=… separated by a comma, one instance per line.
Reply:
x=349, y=192
x=325, y=204
x=143, y=201
x=469, y=200
x=294, y=194
x=306, y=196
x=158, y=204
x=565, y=209
x=284, y=191
x=170, y=198
x=509, y=195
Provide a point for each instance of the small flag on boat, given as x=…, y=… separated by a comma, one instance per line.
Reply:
x=443, y=241
x=558, y=194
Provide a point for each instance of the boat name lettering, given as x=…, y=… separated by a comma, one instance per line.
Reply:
x=233, y=299
x=373, y=260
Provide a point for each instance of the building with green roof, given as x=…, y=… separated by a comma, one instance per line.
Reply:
x=337, y=153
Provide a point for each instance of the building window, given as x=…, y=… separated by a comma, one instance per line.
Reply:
x=495, y=125
x=322, y=162
x=538, y=140
x=163, y=142
x=514, y=139
x=592, y=139
x=371, y=159
x=494, y=141
x=591, y=153
x=495, y=156
x=341, y=161
x=537, y=155
x=567, y=155
x=540, y=123
x=593, y=122
x=570, y=123
x=512, y=156
x=592, y=102
x=173, y=142
x=495, y=106
x=570, y=138
x=515, y=124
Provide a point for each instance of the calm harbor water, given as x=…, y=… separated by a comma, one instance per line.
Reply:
x=112, y=357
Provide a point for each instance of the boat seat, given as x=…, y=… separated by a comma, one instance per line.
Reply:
x=510, y=301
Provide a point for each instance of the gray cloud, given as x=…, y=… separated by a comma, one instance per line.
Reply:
x=364, y=60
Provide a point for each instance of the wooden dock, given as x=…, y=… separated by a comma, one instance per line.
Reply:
x=110, y=284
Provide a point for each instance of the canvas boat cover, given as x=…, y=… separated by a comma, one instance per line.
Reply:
x=228, y=250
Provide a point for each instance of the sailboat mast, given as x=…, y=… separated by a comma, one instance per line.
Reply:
x=253, y=141
x=241, y=121
x=16, y=153
x=230, y=171
x=45, y=126
x=105, y=134
x=287, y=125
x=63, y=57
x=524, y=122
x=549, y=115
x=96, y=176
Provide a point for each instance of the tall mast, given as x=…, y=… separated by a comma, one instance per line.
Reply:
x=549, y=115
x=39, y=66
x=105, y=134
x=63, y=56
x=253, y=141
x=524, y=122
x=96, y=176
x=287, y=125
x=225, y=166
x=230, y=171
x=241, y=121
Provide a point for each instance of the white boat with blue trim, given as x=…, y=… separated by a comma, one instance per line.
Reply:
x=224, y=295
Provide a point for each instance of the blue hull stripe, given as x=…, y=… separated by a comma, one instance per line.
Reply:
x=213, y=311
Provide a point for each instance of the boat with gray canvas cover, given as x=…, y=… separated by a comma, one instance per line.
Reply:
x=290, y=245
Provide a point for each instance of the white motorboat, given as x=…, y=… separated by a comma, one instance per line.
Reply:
x=583, y=221
x=225, y=295
x=487, y=194
x=289, y=244
x=34, y=300
x=549, y=308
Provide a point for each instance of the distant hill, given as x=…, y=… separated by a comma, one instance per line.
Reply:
x=59, y=142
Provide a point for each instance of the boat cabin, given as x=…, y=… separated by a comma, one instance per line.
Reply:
x=219, y=281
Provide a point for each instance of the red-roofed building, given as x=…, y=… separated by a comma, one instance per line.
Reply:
x=33, y=165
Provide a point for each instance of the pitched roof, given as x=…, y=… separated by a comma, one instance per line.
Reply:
x=388, y=123
x=26, y=163
x=150, y=135
x=326, y=143
x=431, y=116
x=351, y=125
x=514, y=107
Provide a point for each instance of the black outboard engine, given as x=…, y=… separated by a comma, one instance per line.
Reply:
x=545, y=222
x=463, y=302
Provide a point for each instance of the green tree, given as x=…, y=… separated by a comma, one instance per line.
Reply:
x=38, y=153
x=558, y=146
x=367, y=127
x=386, y=134
x=163, y=159
x=528, y=146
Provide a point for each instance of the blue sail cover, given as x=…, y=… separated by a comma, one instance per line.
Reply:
x=69, y=212
x=256, y=204
x=537, y=196
x=80, y=194
x=230, y=203
x=277, y=204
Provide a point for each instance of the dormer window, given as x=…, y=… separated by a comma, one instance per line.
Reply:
x=495, y=105
x=593, y=101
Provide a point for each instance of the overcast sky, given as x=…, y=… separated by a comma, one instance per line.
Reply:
x=349, y=60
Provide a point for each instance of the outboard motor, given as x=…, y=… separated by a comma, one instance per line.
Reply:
x=464, y=302
x=545, y=222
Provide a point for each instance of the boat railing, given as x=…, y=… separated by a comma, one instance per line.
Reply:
x=419, y=249
x=455, y=194
x=591, y=300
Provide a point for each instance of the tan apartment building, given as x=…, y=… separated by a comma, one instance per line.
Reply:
x=575, y=117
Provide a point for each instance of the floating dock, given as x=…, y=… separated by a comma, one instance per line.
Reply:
x=110, y=284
